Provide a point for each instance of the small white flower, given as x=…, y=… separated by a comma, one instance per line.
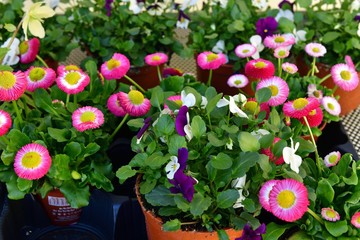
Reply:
x=299, y=35
x=172, y=167
x=355, y=5
x=135, y=7
x=187, y=128
x=291, y=158
x=157, y=9
x=239, y=184
x=285, y=14
x=183, y=23
x=188, y=100
x=232, y=106
x=219, y=47
x=259, y=133
x=204, y=102
x=11, y=57
x=213, y=27
x=256, y=41
x=188, y=3
x=229, y=144
x=260, y=4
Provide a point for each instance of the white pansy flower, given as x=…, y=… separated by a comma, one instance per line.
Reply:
x=183, y=23
x=188, y=3
x=188, y=100
x=260, y=4
x=355, y=5
x=358, y=31
x=157, y=9
x=204, y=102
x=260, y=133
x=256, y=41
x=285, y=14
x=229, y=144
x=239, y=184
x=232, y=106
x=135, y=7
x=187, y=128
x=219, y=47
x=172, y=167
x=11, y=57
x=291, y=158
x=299, y=35
x=240, y=98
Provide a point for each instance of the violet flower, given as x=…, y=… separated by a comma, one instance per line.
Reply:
x=183, y=184
x=147, y=123
x=181, y=120
x=108, y=7
x=266, y=26
x=250, y=234
x=183, y=155
x=357, y=18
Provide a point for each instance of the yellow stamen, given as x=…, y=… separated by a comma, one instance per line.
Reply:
x=312, y=112
x=88, y=116
x=72, y=67
x=260, y=64
x=113, y=63
x=253, y=107
x=274, y=90
x=211, y=57
x=286, y=199
x=279, y=39
x=331, y=106
x=156, y=58
x=333, y=158
x=136, y=97
x=316, y=50
x=31, y=160
x=72, y=78
x=7, y=80
x=346, y=75
x=245, y=51
x=23, y=47
x=36, y=74
x=300, y=103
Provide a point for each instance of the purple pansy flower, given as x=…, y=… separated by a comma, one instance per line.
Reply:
x=357, y=18
x=147, y=123
x=266, y=26
x=183, y=184
x=183, y=155
x=250, y=234
x=108, y=7
x=181, y=120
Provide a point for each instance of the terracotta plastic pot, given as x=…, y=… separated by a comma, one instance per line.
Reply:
x=59, y=210
x=155, y=232
x=349, y=101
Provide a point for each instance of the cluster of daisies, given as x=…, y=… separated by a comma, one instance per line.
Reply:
x=33, y=160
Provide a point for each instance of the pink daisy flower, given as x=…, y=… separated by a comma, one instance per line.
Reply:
x=70, y=67
x=259, y=69
x=245, y=50
x=279, y=90
x=73, y=82
x=134, y=103
x=345, y=76
x=349, y=61
x=237, y=81
x=116, y=67
x=5, y=122
x=156, y=59
x=313, y=92
x=331, y=105
x=332, y=158
x=12, y=85
x=278, y=40
x=32, y=161
x=315, y=49
x=270, y=154
x=300, y=107
x=314, y=117
x=355, y=220
x=39, y=77
x=176, y=99
x=210, y=60
x=29, y=50
x=289, y=68
x=264, y=193
x=87, y=117
x=288, y=200
x=114, y=106
x=330, y=214
x=281, y=52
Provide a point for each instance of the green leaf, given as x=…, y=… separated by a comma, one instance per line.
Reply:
x=60, y=167
x=91, y=149
x=337, y=228
x=182, y=203
x=76, y=196
x=330, y=36
x=263, y=95
x=222, y=235
x=157, y=96
x=172, y=225
x=13, y=191
x=124, y=173
x=212, y=103
x=60, y=135
x=165, y=125
x=198, y=127
x=242, y=165
x=160, y=196
x=221, y=161
x=72, y=149
x=248, y=142
x=274, y=231
x=199, y=204
x=24, y=184
x=215, y=141
x=43, y=100
x=227, y=198
x=10, y=27
x=304, y=3
x=325, y=192
x=156, y=160
x=173, y=83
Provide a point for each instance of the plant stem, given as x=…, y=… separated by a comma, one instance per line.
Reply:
x=67, y=100
x=18, y=114
x=314, y=143
x=324, y=78
x=210, y=77
x=133, y=82
x=312, y=213
x=313, y=66
x=119, y=126
x=159, y=73
x=42, y=61
x=279, y=67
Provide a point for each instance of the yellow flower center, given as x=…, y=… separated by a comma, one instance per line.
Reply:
x=156, y=58
x=282, y=53
x=286, y=199
x=330, y=213
x=300, y=103
x=136, y=97
x=72, y=67
x=316, y=50
x=289, y=69
x=37, y=74
x=211, y=57
x=346, y=75
x=178, y=102
x=274, y=90
x=237, y=81
x=245, y=50
x=31, y=160
x=358, y=220
x=88, y=116
x=253, y=107
x=331, y=106
x=72, y=78
x=7, y=80
x=316, y=94
x=260, y=64
x=23, y=47
x=333, y=158
x=113, y=63
x=312, y=112
x=279, y=39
